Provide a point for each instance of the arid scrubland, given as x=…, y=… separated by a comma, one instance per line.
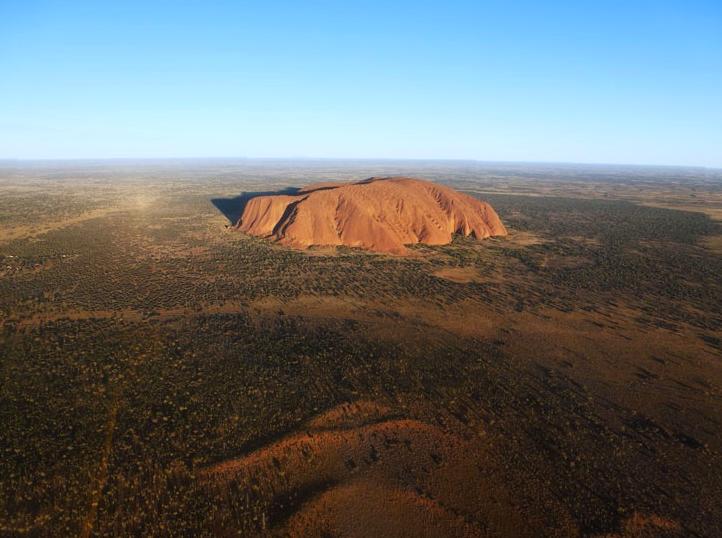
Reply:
x=162, y=373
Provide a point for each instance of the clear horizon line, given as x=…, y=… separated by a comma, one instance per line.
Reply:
x=4, y=160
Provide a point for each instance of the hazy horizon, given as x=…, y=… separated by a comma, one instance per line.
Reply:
x=339, y=160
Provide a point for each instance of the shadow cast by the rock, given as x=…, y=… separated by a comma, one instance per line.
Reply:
x=232, y=208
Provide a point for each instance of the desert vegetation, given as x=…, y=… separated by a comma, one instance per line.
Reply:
x=164, y=374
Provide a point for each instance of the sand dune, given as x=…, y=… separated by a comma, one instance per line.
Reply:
x=361, y=470
x=378, y=214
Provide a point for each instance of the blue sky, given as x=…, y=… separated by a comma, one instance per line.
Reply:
x=596, y=81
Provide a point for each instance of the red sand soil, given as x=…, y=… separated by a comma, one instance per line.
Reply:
x=378, y=214
x=359, y=470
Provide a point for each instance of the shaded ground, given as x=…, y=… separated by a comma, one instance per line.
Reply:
x=232, y=208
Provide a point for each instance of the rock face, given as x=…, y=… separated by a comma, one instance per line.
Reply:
x=378, y=214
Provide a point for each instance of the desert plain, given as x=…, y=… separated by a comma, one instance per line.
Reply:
x=163, y=373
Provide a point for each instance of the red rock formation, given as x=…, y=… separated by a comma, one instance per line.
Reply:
x=379, y=214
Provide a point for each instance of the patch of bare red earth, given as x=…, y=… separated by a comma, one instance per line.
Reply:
x=359, y=470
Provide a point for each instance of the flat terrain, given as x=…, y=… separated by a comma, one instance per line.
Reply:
x=163, y=374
